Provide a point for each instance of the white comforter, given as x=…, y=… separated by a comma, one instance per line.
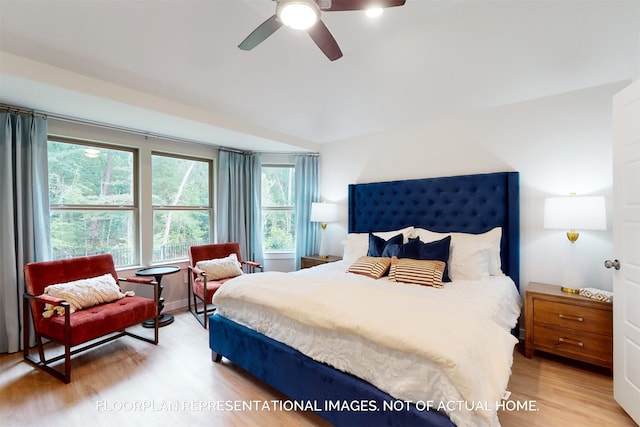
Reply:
x=415, y=343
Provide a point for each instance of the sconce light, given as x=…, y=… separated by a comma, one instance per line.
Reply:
x=323, y=213
x=575, y=213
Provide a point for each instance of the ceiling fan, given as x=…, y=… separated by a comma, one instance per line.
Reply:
x=305, y=15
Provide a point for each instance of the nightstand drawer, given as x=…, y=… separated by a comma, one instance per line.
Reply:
x=573, y=316
x=594, y=348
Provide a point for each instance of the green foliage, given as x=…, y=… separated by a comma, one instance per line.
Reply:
x=278, y=201
x=278, y=186
x=81, y=188
x=178, y=181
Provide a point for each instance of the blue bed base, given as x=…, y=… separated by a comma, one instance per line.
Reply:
x=466, y=203
x=304, y=380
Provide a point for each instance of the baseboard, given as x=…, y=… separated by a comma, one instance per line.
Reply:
x=176, y=305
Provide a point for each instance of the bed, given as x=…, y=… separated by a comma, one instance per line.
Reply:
x=259, y=330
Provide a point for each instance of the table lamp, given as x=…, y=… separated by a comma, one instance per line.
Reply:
x=323, y=213
x=575, y=213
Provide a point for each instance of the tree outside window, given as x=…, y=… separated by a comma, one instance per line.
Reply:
x=93, y=200
x=278, y=203
x=182, y=205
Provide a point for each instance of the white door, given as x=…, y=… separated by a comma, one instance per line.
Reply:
x=626, y=246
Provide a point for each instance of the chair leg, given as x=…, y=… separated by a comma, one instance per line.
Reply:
x=196, y=312
x=67, y=346
x=192, y=301
x=204, y=309
x=43, y=363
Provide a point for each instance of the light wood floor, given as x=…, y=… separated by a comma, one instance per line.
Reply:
x=132, y=383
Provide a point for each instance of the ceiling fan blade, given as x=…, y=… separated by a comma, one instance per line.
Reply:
x=325, y=41
x=260, y=34
x=338, y=5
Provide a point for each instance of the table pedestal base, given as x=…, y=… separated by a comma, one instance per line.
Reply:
x=158, y=272
x=164, y=320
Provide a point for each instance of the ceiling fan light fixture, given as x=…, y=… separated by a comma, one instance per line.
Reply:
x=374, y=12
x=298, y=14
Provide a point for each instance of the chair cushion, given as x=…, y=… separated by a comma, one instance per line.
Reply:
x=99, y=320
x=212, y=287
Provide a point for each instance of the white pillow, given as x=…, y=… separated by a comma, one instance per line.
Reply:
x=85, y=292
x=469, y=261
x=221, y=268
x=357, y=244
x=491, y=237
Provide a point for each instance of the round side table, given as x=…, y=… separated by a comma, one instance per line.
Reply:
x=158, y=273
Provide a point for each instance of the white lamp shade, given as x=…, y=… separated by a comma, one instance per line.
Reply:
x=324, y=212
x=575, y=213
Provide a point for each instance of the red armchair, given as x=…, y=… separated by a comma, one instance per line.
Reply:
x=85, y=326
x=200, y=287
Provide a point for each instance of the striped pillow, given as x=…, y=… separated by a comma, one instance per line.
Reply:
x=421, y=272
x=373, y=267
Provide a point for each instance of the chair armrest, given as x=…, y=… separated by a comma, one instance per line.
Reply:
x=253, y=264
x=52, y=301
x=144, y=281
x=47, y=299
x=197, y=272
x=138, y=279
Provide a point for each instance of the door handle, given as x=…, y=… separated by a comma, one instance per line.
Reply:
x=615, y=264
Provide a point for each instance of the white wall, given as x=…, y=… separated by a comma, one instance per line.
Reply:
x=559, y=144
x=638, y=52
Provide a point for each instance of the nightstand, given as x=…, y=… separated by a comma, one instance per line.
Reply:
x=568, y=325
x=313, y=260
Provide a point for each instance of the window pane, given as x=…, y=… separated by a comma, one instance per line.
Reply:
x=179, y=182
x=278, y=186
x=174, y=231
x=279, y=228
x=86, y=175
x=80, y=233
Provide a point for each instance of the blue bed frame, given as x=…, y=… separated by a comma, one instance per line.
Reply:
x=466, y=203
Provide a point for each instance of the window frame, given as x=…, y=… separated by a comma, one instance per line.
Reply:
x=164, y=208
x=289, y=208
x=135, y=182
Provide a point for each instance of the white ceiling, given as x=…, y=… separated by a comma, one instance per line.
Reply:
x=172, y=67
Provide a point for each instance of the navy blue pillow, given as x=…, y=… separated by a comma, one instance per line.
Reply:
x=377, y=244
x=407, y=250
x=437, y=251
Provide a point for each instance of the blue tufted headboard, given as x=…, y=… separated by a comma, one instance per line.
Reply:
x=466, y=203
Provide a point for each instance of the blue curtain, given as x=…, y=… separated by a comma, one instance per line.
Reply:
x=24, y=214
x=307, y=236
x=239, y=216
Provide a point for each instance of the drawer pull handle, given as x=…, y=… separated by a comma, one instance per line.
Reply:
x=568, y=341
x=577, y=319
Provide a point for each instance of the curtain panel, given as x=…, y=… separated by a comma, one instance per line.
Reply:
x=24, y=215
x=307, y=236
x=239, y=216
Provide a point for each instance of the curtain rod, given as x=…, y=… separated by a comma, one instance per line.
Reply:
x=69, y=119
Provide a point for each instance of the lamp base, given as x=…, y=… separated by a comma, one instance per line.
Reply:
x=573, y=236
x=569, y=290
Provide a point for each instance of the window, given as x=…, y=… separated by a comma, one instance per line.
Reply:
x=182, y=205
x=278, y=203
x=93, y=200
